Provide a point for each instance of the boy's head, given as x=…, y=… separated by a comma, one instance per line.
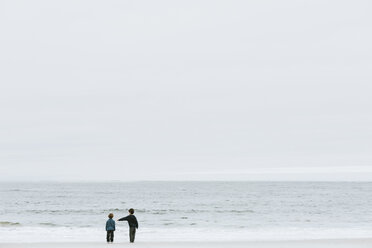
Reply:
x=131, y=211
x=111, y=215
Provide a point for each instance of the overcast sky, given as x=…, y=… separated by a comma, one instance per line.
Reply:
x=178, y=90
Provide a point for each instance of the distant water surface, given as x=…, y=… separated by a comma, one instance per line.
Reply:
x=186, y=210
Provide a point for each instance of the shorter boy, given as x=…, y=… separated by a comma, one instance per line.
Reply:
x=110, y=228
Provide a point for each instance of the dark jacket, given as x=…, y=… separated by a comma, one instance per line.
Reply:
x=132, y=220
x=110, y=225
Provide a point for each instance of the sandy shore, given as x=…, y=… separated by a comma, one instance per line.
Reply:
x=352, y=243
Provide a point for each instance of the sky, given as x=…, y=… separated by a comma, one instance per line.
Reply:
x=185, y=90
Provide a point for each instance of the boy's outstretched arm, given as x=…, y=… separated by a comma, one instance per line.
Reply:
x=124, y=218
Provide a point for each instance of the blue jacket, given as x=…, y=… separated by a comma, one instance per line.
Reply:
x=110, y=225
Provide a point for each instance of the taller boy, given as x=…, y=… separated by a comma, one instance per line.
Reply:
x=133, y=224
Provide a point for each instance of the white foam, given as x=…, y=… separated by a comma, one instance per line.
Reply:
x=64, y=234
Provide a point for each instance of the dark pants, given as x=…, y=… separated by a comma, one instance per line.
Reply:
x=132, y=234
x=110, y=236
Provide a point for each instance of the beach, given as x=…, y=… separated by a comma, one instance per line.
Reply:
x=323, y=243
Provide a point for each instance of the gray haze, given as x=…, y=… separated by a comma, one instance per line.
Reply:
x=185, y=90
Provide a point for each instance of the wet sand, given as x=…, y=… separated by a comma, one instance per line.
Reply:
x=324, y=243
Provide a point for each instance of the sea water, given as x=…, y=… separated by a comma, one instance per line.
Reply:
x=186, y=211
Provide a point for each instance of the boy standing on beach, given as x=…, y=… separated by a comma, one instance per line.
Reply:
x=133, y=224
x=110, y=228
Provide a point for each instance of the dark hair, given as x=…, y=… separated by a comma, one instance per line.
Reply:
x=131, y=211
x=111, y=215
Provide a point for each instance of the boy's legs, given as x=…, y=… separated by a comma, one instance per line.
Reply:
x=132, y=234
x=110, y=236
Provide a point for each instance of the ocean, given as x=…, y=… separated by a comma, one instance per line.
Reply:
x=186, y=211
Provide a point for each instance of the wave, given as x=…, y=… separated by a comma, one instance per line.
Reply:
x=47, y=224
x=61, y=211
x=239, y=211
x=182, y=212
x=8, y=223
